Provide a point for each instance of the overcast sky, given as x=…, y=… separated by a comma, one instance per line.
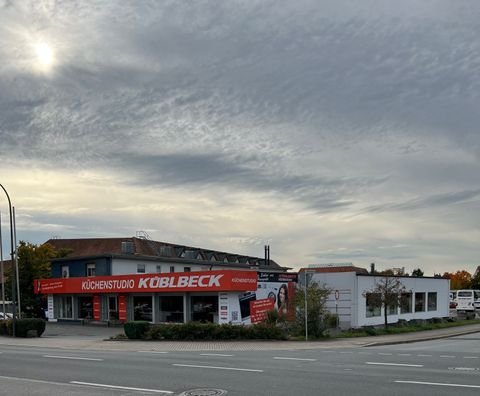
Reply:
x=334, y=131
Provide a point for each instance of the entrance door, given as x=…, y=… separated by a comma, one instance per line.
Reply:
x=112, y=308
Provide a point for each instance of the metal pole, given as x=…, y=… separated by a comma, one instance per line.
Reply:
x=12, y=253
x=306, y=308
x=16, y=263
x=2, y=273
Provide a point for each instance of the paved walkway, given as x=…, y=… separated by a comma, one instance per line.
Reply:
x=96, y=338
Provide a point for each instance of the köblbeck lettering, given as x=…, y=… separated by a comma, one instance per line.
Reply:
x=164, y=282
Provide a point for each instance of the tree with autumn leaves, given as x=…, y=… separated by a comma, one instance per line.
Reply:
x=463, y=279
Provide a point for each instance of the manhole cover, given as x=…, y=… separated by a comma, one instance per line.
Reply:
x=204, y=392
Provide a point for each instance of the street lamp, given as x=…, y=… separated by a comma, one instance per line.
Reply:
x=12, y=253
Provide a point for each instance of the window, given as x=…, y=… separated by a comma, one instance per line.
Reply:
x=66, y=311
x=432, y=302
x=372, y=304
x=65, y=271
x=204, y=309
x=392, y=309
x=140, y=268
x=142, y=308
x=405, y=303
x=172, y=268
x=171, y=309
x=85, y=307
x=91, y=269
x=112, y=308
x=187, y=269
x=419, y=302
x=159, y=269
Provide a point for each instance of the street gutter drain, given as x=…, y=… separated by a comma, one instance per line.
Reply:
x=204, y=392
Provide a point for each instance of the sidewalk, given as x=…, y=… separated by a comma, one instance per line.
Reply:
x=77, y=337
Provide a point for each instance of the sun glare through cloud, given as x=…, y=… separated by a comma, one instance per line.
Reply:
x=45, y=56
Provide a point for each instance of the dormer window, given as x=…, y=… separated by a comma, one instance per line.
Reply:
x=91, y=269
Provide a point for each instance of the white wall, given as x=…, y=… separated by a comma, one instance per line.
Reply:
x=352, y=304
x=124, y=267
x=426, y=285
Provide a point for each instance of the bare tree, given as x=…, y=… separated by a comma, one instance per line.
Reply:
x=388, y=291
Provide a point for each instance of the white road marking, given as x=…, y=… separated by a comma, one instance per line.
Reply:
x=394, y=364
x=119, y=387
x=470, y=357
x=291, y=358
x=346, y=352
x=151, y=352
x=463, y=368
x=438, y=384
x=404, y=354
x=215, y=354
x=217, y=368
x=385, y=354
x=73, y=358
x=424, y=355
x=365, y=353
x=447, y=356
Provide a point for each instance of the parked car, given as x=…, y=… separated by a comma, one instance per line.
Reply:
x=5, y=316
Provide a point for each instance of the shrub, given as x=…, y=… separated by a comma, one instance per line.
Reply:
x=25, y=327
x=136, y=330
x=208, y=331
x=4, y=327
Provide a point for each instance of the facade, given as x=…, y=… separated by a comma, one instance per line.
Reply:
x=123, y=279
x=426, y=297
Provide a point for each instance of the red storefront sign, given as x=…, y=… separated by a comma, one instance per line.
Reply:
x=174, y=282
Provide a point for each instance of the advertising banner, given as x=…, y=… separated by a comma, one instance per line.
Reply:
x=96, y=307
x=259, y=309
x=122, y=307
x=210, y=281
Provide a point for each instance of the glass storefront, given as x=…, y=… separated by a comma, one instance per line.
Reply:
x=204, y=308
x=112, y=308
x=85, y=307
x=143, y=308
x=171, y=309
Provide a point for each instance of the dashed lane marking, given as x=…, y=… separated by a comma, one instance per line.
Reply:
x=119, y=387
x=291, y=358
x=217, y=368
x=73, y=358
x=438, y=384
x=394, y=364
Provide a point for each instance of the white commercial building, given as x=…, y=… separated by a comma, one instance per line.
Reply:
x=425, y=297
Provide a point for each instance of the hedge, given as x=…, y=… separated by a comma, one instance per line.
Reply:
x=23, y=327
x=193, y=331
x=136, y=330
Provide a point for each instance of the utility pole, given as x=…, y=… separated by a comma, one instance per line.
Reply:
x=12, y=254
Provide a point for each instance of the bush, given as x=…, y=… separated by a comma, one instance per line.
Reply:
x=193, y=331
x=136, y=330
x=4, y=327
x=24, y=327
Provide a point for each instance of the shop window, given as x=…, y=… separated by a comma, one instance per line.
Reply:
x=159, y=269
x=172, y=268
x=91, y=269
x=372, y=304
x=142, y=308
x=406, y=303
x=392, y=309
x=112, y=308
x=419, y=302
x=432, y=301
x=187, y=269
x=204, y=308
x=85, y=307
x=140, y=268
x=171, y=308
x=66, y=311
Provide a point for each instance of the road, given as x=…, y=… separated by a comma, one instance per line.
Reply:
x=440, y=367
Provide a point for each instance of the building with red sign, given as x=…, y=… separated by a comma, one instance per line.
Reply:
x=123, y=279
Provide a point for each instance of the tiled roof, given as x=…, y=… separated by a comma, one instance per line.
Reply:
x=81, y=247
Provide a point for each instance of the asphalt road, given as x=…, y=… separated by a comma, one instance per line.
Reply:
x=441, y=367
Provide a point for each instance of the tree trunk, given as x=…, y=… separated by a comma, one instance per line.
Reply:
x=386, y=317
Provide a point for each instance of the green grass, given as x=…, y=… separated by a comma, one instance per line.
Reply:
x=393, y=329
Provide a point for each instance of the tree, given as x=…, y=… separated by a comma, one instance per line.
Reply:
x=316, y=308
x=387, y=292
x=33, y=263
x=460, y=280
x=417, y=272
x=475, y=284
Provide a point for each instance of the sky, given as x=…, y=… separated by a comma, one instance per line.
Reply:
x=333, y=131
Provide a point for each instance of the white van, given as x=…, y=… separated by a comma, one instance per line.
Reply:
x=468, y=300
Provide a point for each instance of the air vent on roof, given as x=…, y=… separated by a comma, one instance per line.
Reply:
x=128, y=247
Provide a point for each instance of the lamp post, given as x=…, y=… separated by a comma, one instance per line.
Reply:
x=12, y=253
x=306, y=307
